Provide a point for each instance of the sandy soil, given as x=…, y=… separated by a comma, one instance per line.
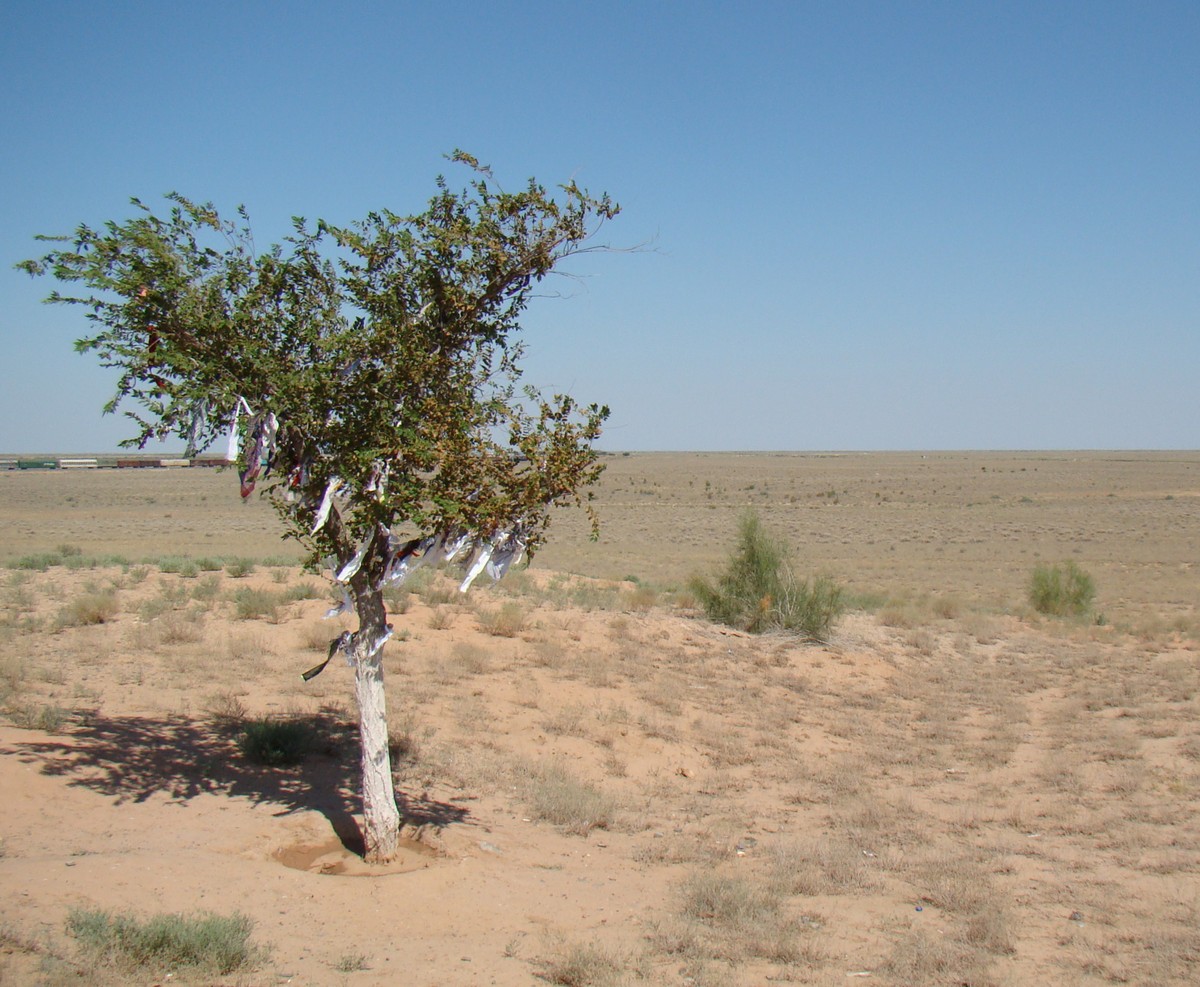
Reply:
x=951, y=790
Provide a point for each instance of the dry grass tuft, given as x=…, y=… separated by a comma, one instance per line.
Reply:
x=506, y=621
x=558, y=797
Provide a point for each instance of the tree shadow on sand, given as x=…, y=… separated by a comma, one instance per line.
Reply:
x=132, y=759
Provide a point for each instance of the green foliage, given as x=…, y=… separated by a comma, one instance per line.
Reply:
x=306, y=590
x=278, y=743
x=1061, y=590
x=256, y=604
x=214, y=944
x=385, y=349
x=351, y=963
x=34, y=716
x=759, y=590
x=239, y=568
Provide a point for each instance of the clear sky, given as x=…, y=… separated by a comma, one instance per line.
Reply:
x=888, y=225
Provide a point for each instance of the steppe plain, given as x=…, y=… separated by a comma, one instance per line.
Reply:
x=603, y=787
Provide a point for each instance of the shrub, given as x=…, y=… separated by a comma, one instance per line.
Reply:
x=90, y=608
x=47, y=717
x=252, y=604
x=40, y=562
x=558, y=797
x=584, y=965
x=306, y=590
x=239, y=568
x=507, y=621
x=277, y=743
x=1061, y=590
x=217, y=944
x=759, y=589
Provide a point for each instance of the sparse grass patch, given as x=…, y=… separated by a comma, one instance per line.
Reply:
x=351, y=963
x=211, y=943
x=225, y=708
x=821, y=867
x=558, y=797
x=584, y=965
x=566, y=721
x=506, y=621
x=48, y=717
x=180, y=628
x=919, y=957
x=740, y=917
x=469, y=659
x=641, y=598
x=398, y=599
x=440, y=593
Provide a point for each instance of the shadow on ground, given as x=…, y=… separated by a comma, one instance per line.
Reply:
x=134, y=758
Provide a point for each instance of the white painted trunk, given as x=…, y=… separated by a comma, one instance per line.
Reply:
x=381, y=818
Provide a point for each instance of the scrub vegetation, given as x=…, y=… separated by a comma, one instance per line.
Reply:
x=950, y=788
x=759, y=589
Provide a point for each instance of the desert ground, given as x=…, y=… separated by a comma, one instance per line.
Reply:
x=600, y=785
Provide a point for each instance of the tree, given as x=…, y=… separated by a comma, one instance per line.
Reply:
x=368, y=378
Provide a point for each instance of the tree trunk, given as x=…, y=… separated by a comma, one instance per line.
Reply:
x=381, y=817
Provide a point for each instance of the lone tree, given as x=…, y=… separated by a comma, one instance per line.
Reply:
x=367, y=377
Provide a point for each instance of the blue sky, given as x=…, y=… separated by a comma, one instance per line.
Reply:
x=872, y=225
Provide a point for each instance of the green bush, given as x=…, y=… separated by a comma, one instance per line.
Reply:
x=39, y=562
x=217, y=944
x=760, y=591
x=255, y=604
x=1061, y=590
x=278, y=743
x=239, y=568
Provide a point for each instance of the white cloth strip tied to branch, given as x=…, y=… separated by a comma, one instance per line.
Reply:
x=345, y=606
x=508, y=553
x=497, y=555
x=348, y=571
x=377, y=482
x=231, y=454
x=482, y=557
x=372, y=648
x=331, y=491
x=200, y=412
x=405, y=558
x=260, y=438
